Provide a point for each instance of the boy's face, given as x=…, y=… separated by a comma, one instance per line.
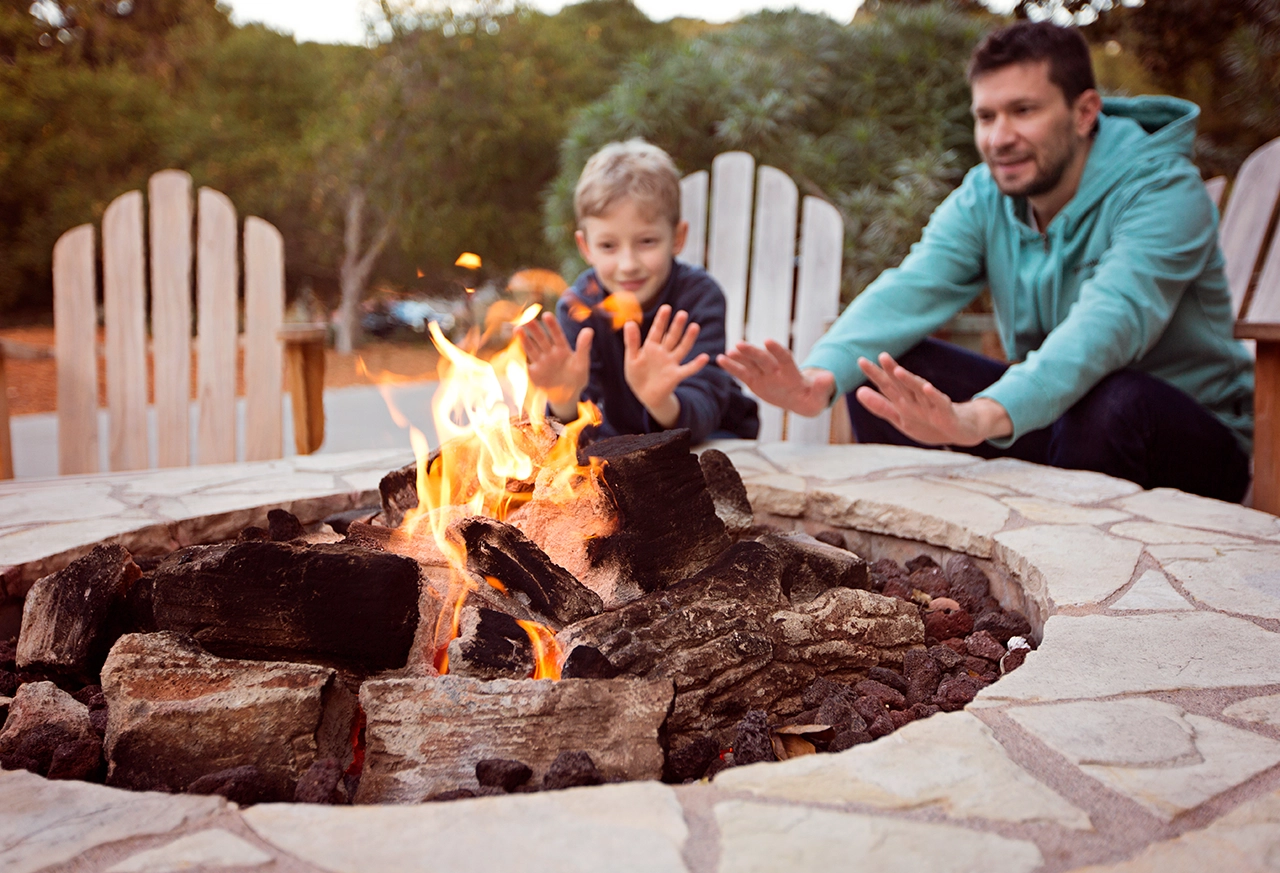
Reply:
x=631, y=249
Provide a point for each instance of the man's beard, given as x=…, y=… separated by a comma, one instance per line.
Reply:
x=1044, y=180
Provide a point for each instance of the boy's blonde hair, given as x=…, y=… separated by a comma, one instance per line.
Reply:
x=634, y=169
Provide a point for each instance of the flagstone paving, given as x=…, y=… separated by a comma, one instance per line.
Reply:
x=1142, y=735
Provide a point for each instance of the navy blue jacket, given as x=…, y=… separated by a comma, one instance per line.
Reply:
x=710, y=400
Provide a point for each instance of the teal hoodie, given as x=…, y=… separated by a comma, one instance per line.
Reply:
x=1128, y=274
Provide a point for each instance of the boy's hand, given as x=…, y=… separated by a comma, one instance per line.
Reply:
x=654, y=369
x=554, y=367
x=772, y=375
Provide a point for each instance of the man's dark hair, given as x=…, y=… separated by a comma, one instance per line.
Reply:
x=1070, y=67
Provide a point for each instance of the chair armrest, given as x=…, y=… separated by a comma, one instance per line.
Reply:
x=1257, y=330
x=304, y=367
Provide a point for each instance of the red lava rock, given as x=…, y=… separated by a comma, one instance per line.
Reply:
x=242, y=785
x=977, y=666
x=1003, y=625
x=882, y=726
x=9, y=683
x=946, y=657
x=452, y=794
x=820, y=689
x=924, y=710
x=847, y=739
x=900, y=717
x=691, y=761
x=838, y=709
x=1013, y=660
x=869, y=708
x=954, y=692
x=884, y=570
x=319, y=784
x=571, y=769
x=969, y=584
x=505, y=774
x=981, y=644
x=892, y=678
x=897, y=588
x=930, y=580
x=752, y=743
x=80, y=759
x=956, y=644
x=945, y=623
x=890, y=697
x=98, y=721
x=919, y=562
x=923, y=675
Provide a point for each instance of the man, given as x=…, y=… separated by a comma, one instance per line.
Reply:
x=1092, y=229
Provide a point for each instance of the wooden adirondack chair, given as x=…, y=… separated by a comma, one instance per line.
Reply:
x=769, y=294
x=125, y=317
x=1254, y=276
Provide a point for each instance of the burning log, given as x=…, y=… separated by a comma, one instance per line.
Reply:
x=65, y=617
x=502, y=552
x=491, y=645
x=177, y=713
x=731, y=642
x=332, y=604
x=425, y=736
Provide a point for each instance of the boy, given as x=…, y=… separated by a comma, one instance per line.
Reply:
x=627, y=205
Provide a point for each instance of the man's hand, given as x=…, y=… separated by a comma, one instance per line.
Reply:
x=653, y=368
x=924, y=413
x=772, y=375
x=554, y=367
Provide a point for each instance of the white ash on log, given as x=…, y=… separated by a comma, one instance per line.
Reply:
x=498, y=550
x=731, y=642
x=728, y=493
x=329, y=603
x=661, y=521
x=812, y=567
x=425, y=736
x=65, y=619
x=177, y=713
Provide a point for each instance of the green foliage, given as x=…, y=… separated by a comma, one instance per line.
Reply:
x=872, y=115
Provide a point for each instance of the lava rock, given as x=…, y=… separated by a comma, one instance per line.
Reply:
x=1003, y=625
x=930, y=580
x=42, y=718
x=571, y=769
x=969, y=585
x=923, y=676
x=690, y=761
x=504, y=773
x=80, y=759
x=892, y=678
x=1013, y=660
x=92, y=697
x=98, y=721
x=954, y=692
x=820, y=689
x=981, y=644
x=9, y=683
x=839, y=710
x=752, y=743
x=944, y=622
x=847, y=739
x=870, y=708
x=901, y=717
x=242, y=785
x=283, y=526
x=830, y=537
x=924, y=710
x=920, y=562
x=452, y=794
x=321, y=783
x=946, y=657
x=881, y=727
x=881, y=572
x=890, y=697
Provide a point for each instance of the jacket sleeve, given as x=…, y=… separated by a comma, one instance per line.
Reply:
x=1123, y=308
x=943, y=272
x=704, y=396
x=594, y=391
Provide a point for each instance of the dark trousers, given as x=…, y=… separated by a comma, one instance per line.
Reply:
x=1130, y=425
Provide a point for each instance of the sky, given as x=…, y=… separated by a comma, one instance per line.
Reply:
x=341, y=20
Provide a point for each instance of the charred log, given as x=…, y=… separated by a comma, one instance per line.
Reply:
x=728, y=494
x=811, y=567
x=490, y=645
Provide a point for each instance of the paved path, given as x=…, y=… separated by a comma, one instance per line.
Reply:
x=355, y=418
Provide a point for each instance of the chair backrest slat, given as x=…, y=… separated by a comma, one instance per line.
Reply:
x=729, y=239
x=124, y=306
x=1246, y=220
x=216, y=280
x=264, y=351
x=169, y=193
x=821, y=258
x=75, y=311
x=773, y=270
x=1214, y=188
x=693, y=209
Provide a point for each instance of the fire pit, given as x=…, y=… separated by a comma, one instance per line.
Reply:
x=1145, y=725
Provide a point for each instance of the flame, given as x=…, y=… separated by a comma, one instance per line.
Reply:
x=470, y=260
x=619, y=308
x=546, y=650
x=496, y=448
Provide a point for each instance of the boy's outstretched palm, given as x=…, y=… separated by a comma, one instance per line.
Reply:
x=554, y=367
x=654, y=368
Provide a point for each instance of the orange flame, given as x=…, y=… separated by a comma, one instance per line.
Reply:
x=546, y=650
x=470, y=260
x=620, y=308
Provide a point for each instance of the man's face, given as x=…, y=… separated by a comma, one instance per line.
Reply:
x=631, y=249
x=1025, y=130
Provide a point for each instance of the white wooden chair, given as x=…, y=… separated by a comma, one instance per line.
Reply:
x=1253, y=273
x=771, y=293
x=125, y=317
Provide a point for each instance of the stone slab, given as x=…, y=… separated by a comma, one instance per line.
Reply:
x=1174, y=507
x=858, y=461
x=947, y=516
x=1042, y=511
x=1256, y=710
x=43, y=823
x=762, y=838
x=776, y=493
x=638, y=827
x=1079, y=487
x=1244, y=581
x=1100, y=656
x=1155, y=534
x=1152, y=591
x=213, y=848
x=950, y=761
x=1070, y=564
x=1153, y=752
